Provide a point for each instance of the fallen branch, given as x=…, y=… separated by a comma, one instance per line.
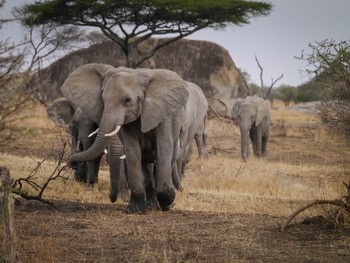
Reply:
x=338, y=203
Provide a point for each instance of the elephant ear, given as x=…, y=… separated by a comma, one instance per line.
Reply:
x=61, y=112
x=262, y=110
x=166, y=93
x=83, y=88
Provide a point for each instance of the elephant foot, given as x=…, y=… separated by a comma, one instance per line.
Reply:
x=113, y=196
x=79, y=177
x=152, y=204
x=124, y=195
x=166, y=199
x=137, y=205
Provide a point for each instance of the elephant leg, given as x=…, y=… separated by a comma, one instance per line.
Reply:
x=176, y=164
x=131, y=139
x=258, y=141
x=148, y=170
x=200, y=138
x=253, y=136
x=264, y=144
x=165, y=150
x=92, y=171
x=80, y=174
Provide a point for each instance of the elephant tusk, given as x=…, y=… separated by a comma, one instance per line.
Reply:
x=123, y=157
x=78, y=145
x=113, y=132
x=93, y=133
x=105, y=151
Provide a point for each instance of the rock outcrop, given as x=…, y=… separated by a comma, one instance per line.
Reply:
x=205, y=63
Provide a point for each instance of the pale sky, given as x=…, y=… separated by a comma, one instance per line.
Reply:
x=274, y=39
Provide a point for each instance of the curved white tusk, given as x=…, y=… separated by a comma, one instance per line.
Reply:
x=105, y=151
x=113, y=132
x=123, y=157
x=93, y=133
x=78, y=145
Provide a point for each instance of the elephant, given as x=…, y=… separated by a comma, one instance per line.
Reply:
x=193, y=127
x=196, y=110
x=253, y=117
x=81, y=128
x=147, y=106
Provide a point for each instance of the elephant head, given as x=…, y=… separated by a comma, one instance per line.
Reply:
x=79, y=126
x=142, y=99
x=253, y=117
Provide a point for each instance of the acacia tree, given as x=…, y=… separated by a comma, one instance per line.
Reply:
x=131, y=22
x=329, y=60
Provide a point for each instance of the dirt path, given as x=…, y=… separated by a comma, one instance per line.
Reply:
x=101, y=233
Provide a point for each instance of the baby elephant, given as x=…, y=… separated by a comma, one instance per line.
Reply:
x=253, y=117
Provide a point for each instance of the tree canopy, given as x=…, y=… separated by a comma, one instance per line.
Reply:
x=130, y=22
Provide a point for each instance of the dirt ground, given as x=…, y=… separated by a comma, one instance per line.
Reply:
x=88, y=232
x=99, y=233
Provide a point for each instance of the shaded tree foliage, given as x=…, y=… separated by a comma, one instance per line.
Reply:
x=330, y=61
x=130, y=22
x=312, y=90
x=286, y=93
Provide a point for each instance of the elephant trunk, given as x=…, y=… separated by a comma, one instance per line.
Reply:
x=119, y=186
x=93, y=152
x=245, y=144
x=106, y=126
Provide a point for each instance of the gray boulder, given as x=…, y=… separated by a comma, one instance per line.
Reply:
x=205, y=63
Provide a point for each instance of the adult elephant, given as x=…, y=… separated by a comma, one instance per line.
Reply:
x=253, y=117
x=80, y=127
x=193, y=126
x=148, y=106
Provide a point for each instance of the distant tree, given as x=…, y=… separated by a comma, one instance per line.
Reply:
x=330, y=60
x=312, y=90
x=129, y=23
x=286, y=93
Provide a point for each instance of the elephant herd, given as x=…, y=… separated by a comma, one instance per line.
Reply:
x=146, y=120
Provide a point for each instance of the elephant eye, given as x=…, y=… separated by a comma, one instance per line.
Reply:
x=127, y=101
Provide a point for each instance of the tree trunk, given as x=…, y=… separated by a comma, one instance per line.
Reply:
x=7, y=232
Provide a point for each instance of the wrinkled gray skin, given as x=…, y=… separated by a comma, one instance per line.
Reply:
x=253, y=117
x=80, y=126
x=149, y=106
x=193, y=126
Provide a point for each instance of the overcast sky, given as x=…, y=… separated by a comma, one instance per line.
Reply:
x=274, y=39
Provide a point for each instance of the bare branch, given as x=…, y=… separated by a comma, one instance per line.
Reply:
x=31, y=179
x=339, y=203
x=261, y=72
x=273, y=82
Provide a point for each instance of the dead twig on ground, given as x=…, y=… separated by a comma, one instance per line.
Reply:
x=338, y=202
